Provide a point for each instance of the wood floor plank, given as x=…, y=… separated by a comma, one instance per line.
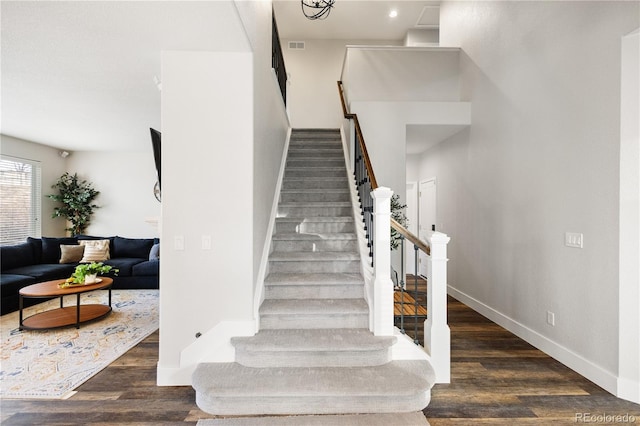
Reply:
x=497, y=379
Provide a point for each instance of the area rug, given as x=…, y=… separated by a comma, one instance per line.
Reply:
x=50, y=364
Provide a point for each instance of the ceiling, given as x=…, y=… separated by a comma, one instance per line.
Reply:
x=357, y=20
x=80, y=75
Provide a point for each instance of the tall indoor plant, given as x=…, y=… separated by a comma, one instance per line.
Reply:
x=397, y=213
x=76, y=197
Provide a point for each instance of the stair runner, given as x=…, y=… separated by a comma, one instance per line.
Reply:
x=314, y=353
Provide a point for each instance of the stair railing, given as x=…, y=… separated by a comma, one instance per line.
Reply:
x=277, y=58
x=410, y=300
x=363, y=173
x=375, y=205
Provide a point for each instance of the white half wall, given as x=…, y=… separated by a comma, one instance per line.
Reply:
x=208, y=186
x=387, y=73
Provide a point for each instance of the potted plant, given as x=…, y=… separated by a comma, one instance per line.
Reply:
x=77, y=197
x=398, y=214
x=86, y=273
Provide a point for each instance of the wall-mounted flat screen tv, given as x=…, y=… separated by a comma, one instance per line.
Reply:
x=155, y=142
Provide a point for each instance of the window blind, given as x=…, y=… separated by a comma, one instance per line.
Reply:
x=20, y=199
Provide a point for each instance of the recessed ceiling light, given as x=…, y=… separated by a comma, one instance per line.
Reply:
x=393, y=14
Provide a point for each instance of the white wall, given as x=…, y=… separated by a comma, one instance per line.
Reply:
x=224, y=128
x=402, y=74
x=207, y=137
x=52, y=167
x=540, y=159
x=312, y=99
x=270, y=123
x=125, y=181
x=384, y=125
x=629, y=315
x=420, y=37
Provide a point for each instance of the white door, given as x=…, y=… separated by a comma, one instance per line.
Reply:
x=427, y=217
x=412, y=226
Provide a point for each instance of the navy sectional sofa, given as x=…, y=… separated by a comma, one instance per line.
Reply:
x=38, y=260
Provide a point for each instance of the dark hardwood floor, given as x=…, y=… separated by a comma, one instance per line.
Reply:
x=497, y=378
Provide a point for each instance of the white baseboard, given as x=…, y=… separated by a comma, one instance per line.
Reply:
x=574, y=361
x=212, y=346
x=629, y=390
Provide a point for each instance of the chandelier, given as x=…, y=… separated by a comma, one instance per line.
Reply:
x=316, y=9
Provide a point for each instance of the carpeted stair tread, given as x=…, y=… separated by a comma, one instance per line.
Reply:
x=301, y=151
x=416, y=418
x=318, y=204
x=296, y=340
x=314, y=237
x=298, y=278
x=313, y=307
x=324, y=168
x=316, y=219
x=314, y=256
x=295, y=190
x=314, y=286
x=393, y=380
x=304, y=182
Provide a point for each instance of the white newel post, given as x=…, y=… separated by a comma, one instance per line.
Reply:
x=382, y=284
x=437, y=336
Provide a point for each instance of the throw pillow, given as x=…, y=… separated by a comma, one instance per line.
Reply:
x=51, y=248
x=95, y=250
x=71, y=254
x=155, y=252
x=138, y=248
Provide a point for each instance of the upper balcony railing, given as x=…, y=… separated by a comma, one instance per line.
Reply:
x=277, y=59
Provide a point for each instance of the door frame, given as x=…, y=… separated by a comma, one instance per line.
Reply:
x=422, y=268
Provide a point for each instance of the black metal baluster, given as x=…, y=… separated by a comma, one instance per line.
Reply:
x=415, y=298
x=402, y=285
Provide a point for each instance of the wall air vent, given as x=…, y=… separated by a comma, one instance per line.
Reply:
x=429, y=18
x=297, y=45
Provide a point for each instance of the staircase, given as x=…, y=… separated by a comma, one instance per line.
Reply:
x=314, y=353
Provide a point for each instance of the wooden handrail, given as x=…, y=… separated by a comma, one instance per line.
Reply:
x=372, y=178
x=346, y=113
x=409, y=236
x=363, y=146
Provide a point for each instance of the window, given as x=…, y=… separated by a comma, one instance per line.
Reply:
x=20, y=195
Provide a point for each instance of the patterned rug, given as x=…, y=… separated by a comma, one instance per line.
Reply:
x=50, y=364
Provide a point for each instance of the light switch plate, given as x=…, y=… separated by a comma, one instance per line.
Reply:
x=206, y=242
x=178, y=242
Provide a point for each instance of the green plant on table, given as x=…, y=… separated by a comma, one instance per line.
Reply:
x=85, y=269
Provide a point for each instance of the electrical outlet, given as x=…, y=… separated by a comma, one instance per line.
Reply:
x=573, y=239
x=551, y=318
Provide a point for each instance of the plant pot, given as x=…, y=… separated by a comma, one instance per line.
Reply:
x=90, y=279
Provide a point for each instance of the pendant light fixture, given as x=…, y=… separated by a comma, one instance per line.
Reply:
x=316, y=9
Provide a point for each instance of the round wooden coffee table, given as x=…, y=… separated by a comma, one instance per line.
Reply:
x=64, y=315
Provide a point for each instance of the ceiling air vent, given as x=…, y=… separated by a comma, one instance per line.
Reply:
x=297, y=45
